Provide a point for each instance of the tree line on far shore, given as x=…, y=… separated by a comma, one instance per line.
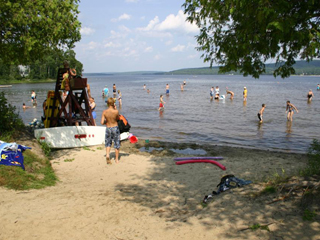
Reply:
x=300, y=67
x=46, y=68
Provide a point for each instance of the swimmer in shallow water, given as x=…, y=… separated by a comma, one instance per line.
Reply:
x=245, y=94
x=24, y=107
x=230, y=92
x=290, y=109
x=161, y=105
x=310, y=95
x=260, y=113
x=211, y=93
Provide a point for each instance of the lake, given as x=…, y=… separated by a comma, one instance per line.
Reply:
x=190, y=116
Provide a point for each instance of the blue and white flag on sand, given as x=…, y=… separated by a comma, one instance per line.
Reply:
x=11, y=154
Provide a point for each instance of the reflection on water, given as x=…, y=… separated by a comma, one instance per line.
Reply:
x=289, y=130
x=244, y=103
x=161, y=113
x=190, y=116
x=260, y=130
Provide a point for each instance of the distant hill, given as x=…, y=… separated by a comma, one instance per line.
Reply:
x=301, y=68
x=126, y=73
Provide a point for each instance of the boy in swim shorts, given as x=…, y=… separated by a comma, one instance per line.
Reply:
x=33, y=96
x=167, y=89
x=211, y=93
x=260, y=113
x=161, y=106
x=110, y=117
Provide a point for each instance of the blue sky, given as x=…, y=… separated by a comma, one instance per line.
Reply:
x=136, y=35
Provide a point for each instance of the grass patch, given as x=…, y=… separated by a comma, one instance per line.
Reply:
x=269, y=190
x=309, y=215
x=45, y=148
x=259, y=226
x=38, y=174
x=203, y=205
x=88, y=149
x=313, y=167
x=69, y=160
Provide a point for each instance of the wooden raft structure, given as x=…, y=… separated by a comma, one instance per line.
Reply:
x=75, y=108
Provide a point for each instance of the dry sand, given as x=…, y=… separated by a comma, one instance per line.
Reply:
x=147, y=196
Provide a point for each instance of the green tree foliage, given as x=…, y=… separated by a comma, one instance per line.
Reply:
x=8, y=71
x=29, y=30
x=10, y=120
x=243, y=34
x=46, y=68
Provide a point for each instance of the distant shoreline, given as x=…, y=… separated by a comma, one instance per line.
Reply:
x=10, y=82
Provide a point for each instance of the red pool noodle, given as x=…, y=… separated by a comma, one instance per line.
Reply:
x=202, y=160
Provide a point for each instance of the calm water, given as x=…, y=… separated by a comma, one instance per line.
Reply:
x=190, y=116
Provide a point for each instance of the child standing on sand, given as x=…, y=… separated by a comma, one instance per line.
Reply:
x=260, y=113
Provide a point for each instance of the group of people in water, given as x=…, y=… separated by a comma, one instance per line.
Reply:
x=215, y=94
x=105, y=94
x=33, y=101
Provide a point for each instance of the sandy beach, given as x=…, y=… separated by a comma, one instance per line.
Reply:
x=147, y=196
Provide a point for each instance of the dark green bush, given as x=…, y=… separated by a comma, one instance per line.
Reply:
x=9, y=120
x=313, y=159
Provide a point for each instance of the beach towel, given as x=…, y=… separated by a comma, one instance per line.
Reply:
x=11, y=154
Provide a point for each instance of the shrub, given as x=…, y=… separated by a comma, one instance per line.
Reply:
x=10, y=120
x=313, y=160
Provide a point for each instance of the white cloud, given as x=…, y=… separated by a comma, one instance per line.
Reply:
x=168, y=42
x=87, y=31
x=122, y=33
x=178, y=48
x=172, y=23
x=124, y=17
x=151, y=24
x=148, y=49
x=124, y=29
x=157, y=57
x=92, y=45
x=112, y=45
x=121, y=17
x=127, y=52
x=192, y=56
